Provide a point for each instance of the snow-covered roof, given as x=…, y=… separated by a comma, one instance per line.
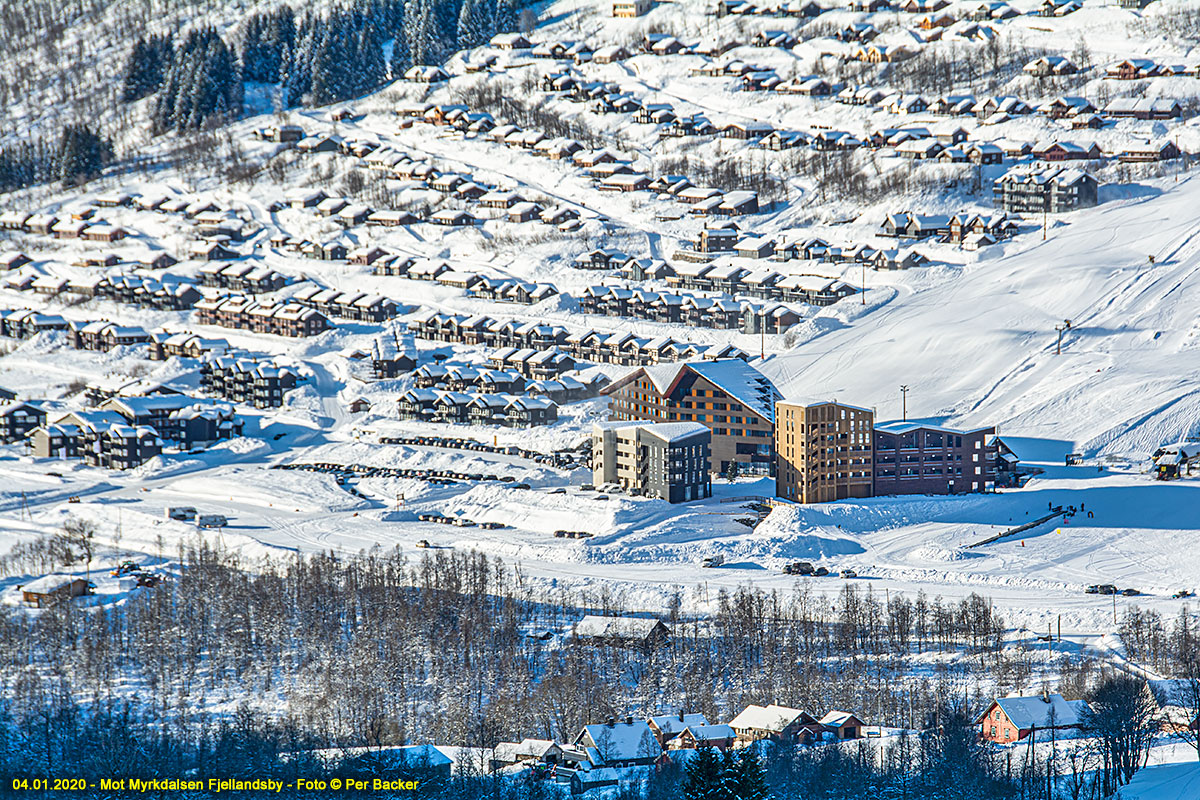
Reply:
x=907, y=426
x=835, y=719
x=1039, y=711
x=598, y=627
x=48, y=584
x=766, y=718
x=621, y=741
x=708, y=733
x=671, y=724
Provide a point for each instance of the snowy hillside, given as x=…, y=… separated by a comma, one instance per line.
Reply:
x=971, y=333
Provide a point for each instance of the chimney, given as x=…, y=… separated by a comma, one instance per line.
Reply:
x=681, y=715
x=611, y=722
x=629, y=720
x=1045, y=695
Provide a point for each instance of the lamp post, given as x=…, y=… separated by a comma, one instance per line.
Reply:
x=904, y=402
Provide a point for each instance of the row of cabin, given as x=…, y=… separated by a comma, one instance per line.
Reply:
x=431, y=405
x=588, y=345
x=165, y=344
x=24, y=323
x=536, y=365
x=261, y=384
x=800, y=247
x=138, y=291
x=560, y=389
x=460, y=378
x=1050, y=190
x=963, y=228
x=507, y=290
x=356, y=306
x=245, y=313
x=732, y=279
x=102, y=335
x=246, y=278
x=719, y=313
x=88, y=230
x=125, y=432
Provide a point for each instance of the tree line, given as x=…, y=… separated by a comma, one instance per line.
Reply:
x=79, y=155
x=377, y=650
x=315, y=58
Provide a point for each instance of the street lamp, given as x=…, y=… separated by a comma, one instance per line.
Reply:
x=904, y=402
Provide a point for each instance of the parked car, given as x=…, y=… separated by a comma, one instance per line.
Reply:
x=125, y=568
x=491, y=526
x=849, y=573
x=1181, y=594
x=211, y=521
x=821, y=572
x=1106, y=588
x=181, y=513
x=424, y=543
x=1093, y=589
x=712, y=561
x=798, y=568
x=1130, y=592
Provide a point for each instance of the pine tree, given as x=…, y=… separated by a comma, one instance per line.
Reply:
x=703, y=776
x=203, y=83
x=328, y=83
x=81, y=154
x=370, y=69
x=506, y=16
x=401, y=53
x=745, y=778
x=145, y=67
x=420, y=29
x=476, y=22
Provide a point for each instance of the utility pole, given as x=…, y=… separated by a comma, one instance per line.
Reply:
x=1060, y=329
x=904, y=402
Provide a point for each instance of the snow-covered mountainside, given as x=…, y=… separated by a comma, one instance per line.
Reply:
x=972, y=333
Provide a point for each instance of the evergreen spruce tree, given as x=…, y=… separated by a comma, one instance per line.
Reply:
x=506, y=16
x=370, y=69
x=476, y=22
x=445, y=16
x=401, y=53
x=145, y=67
x=328, y=83
x=203, y=83
x=81, y=154
x=420, y=29
x=703, y=777
x=745, y=778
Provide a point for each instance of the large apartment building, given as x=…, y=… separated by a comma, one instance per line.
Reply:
x=667, y=460
x=728, y=396
x=824, y=451
x=1053, y=190
x=912, y=458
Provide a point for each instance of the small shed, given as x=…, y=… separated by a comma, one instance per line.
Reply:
x=53, y=589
